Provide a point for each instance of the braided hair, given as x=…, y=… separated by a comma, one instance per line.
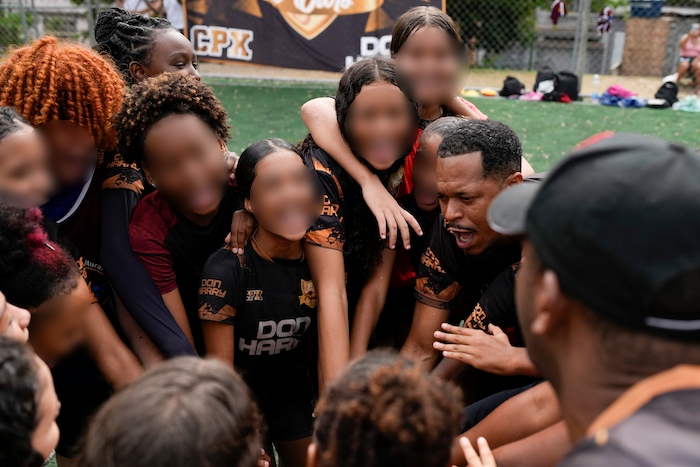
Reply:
x=49, y=80
x=385, y=411
x=127, y=37
x=33, y=269
x=161, y=96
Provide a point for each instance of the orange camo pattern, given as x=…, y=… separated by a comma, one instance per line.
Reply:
x=429, y=260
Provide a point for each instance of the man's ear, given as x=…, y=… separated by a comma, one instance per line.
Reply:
x=312, y=456
x=513, y=179
x=551, y=306
x=137, y=71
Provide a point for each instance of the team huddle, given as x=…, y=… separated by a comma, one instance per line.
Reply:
x=398, y=288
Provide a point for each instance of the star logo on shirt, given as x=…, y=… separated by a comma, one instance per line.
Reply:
x=308, y=294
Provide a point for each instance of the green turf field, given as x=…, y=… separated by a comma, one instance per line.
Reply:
x=547, y=130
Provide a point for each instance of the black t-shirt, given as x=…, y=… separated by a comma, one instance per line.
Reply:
x=426, y=221
x=329, y=229
x=173, y=249
x=497, y=306
x=272, y=306
x=446, y=273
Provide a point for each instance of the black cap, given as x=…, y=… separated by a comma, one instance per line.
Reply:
x=619, y=223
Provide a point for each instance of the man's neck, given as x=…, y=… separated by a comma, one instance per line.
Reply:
x=586, y=388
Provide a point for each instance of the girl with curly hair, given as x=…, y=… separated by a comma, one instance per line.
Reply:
x=384, y=412
x=67, y=329
x=175, y=129
x=141, y=47
x=64, y=98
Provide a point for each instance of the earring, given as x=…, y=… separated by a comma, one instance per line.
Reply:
x=153, y=184
x=227, y=154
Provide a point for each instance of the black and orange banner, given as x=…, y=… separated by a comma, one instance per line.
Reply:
x=310, y=34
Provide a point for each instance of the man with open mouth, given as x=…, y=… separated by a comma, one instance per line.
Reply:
x=476, y=161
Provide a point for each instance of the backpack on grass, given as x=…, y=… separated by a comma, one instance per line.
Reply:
x=511, y=87
x=567, y=82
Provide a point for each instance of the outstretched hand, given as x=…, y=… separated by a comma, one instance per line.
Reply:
x=392, y=219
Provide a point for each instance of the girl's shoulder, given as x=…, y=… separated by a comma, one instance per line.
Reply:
x=153, y=212
x=121, y=175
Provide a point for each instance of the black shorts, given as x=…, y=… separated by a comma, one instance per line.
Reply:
x=288, y=410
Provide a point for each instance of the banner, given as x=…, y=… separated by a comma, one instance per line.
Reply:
x=310, y=34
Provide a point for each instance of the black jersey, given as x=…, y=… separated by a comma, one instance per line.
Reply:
x=173, y=249
x=446, y=272
x=272, y=305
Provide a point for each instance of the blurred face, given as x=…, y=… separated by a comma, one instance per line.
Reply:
x=46, y=434
x=424, y=169
x=171, y=53
x=465, y=195
x=25, y=180
x=59, y=326
x=284, y=198
x=430, y=63
x=185, y=161
x=694, y=31
x=72, y=152
x=381, y=124
x=14, y=321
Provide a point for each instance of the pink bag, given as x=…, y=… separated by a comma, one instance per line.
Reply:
x=618, y=91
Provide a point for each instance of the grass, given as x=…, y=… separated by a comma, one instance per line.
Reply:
x=547, y=130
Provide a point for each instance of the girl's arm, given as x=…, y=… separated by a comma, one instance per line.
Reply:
x=327, y=269
x=684, y=39
x=174, y=303
x=218, y=341
x=320, y=118
x=113, y=358
x=130, y=279
x=115, y=361
x=370, y=305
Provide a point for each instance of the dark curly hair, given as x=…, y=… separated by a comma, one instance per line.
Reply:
x=19, y=396
x=10, y=122
x=32, y=269
x=501, y=152
x=153, y=99
x=362, y=234
x=187, y=411
x=385, y=412
x=128, y=37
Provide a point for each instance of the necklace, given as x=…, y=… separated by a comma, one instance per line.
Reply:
x=266, y=255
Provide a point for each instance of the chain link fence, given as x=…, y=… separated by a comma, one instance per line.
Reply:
x=642, y=38
x=24, y=20
x=633, y=37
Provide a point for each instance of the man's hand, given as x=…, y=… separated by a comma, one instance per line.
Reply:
x=483, y=459
x=242, y=226
x=483, y=351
